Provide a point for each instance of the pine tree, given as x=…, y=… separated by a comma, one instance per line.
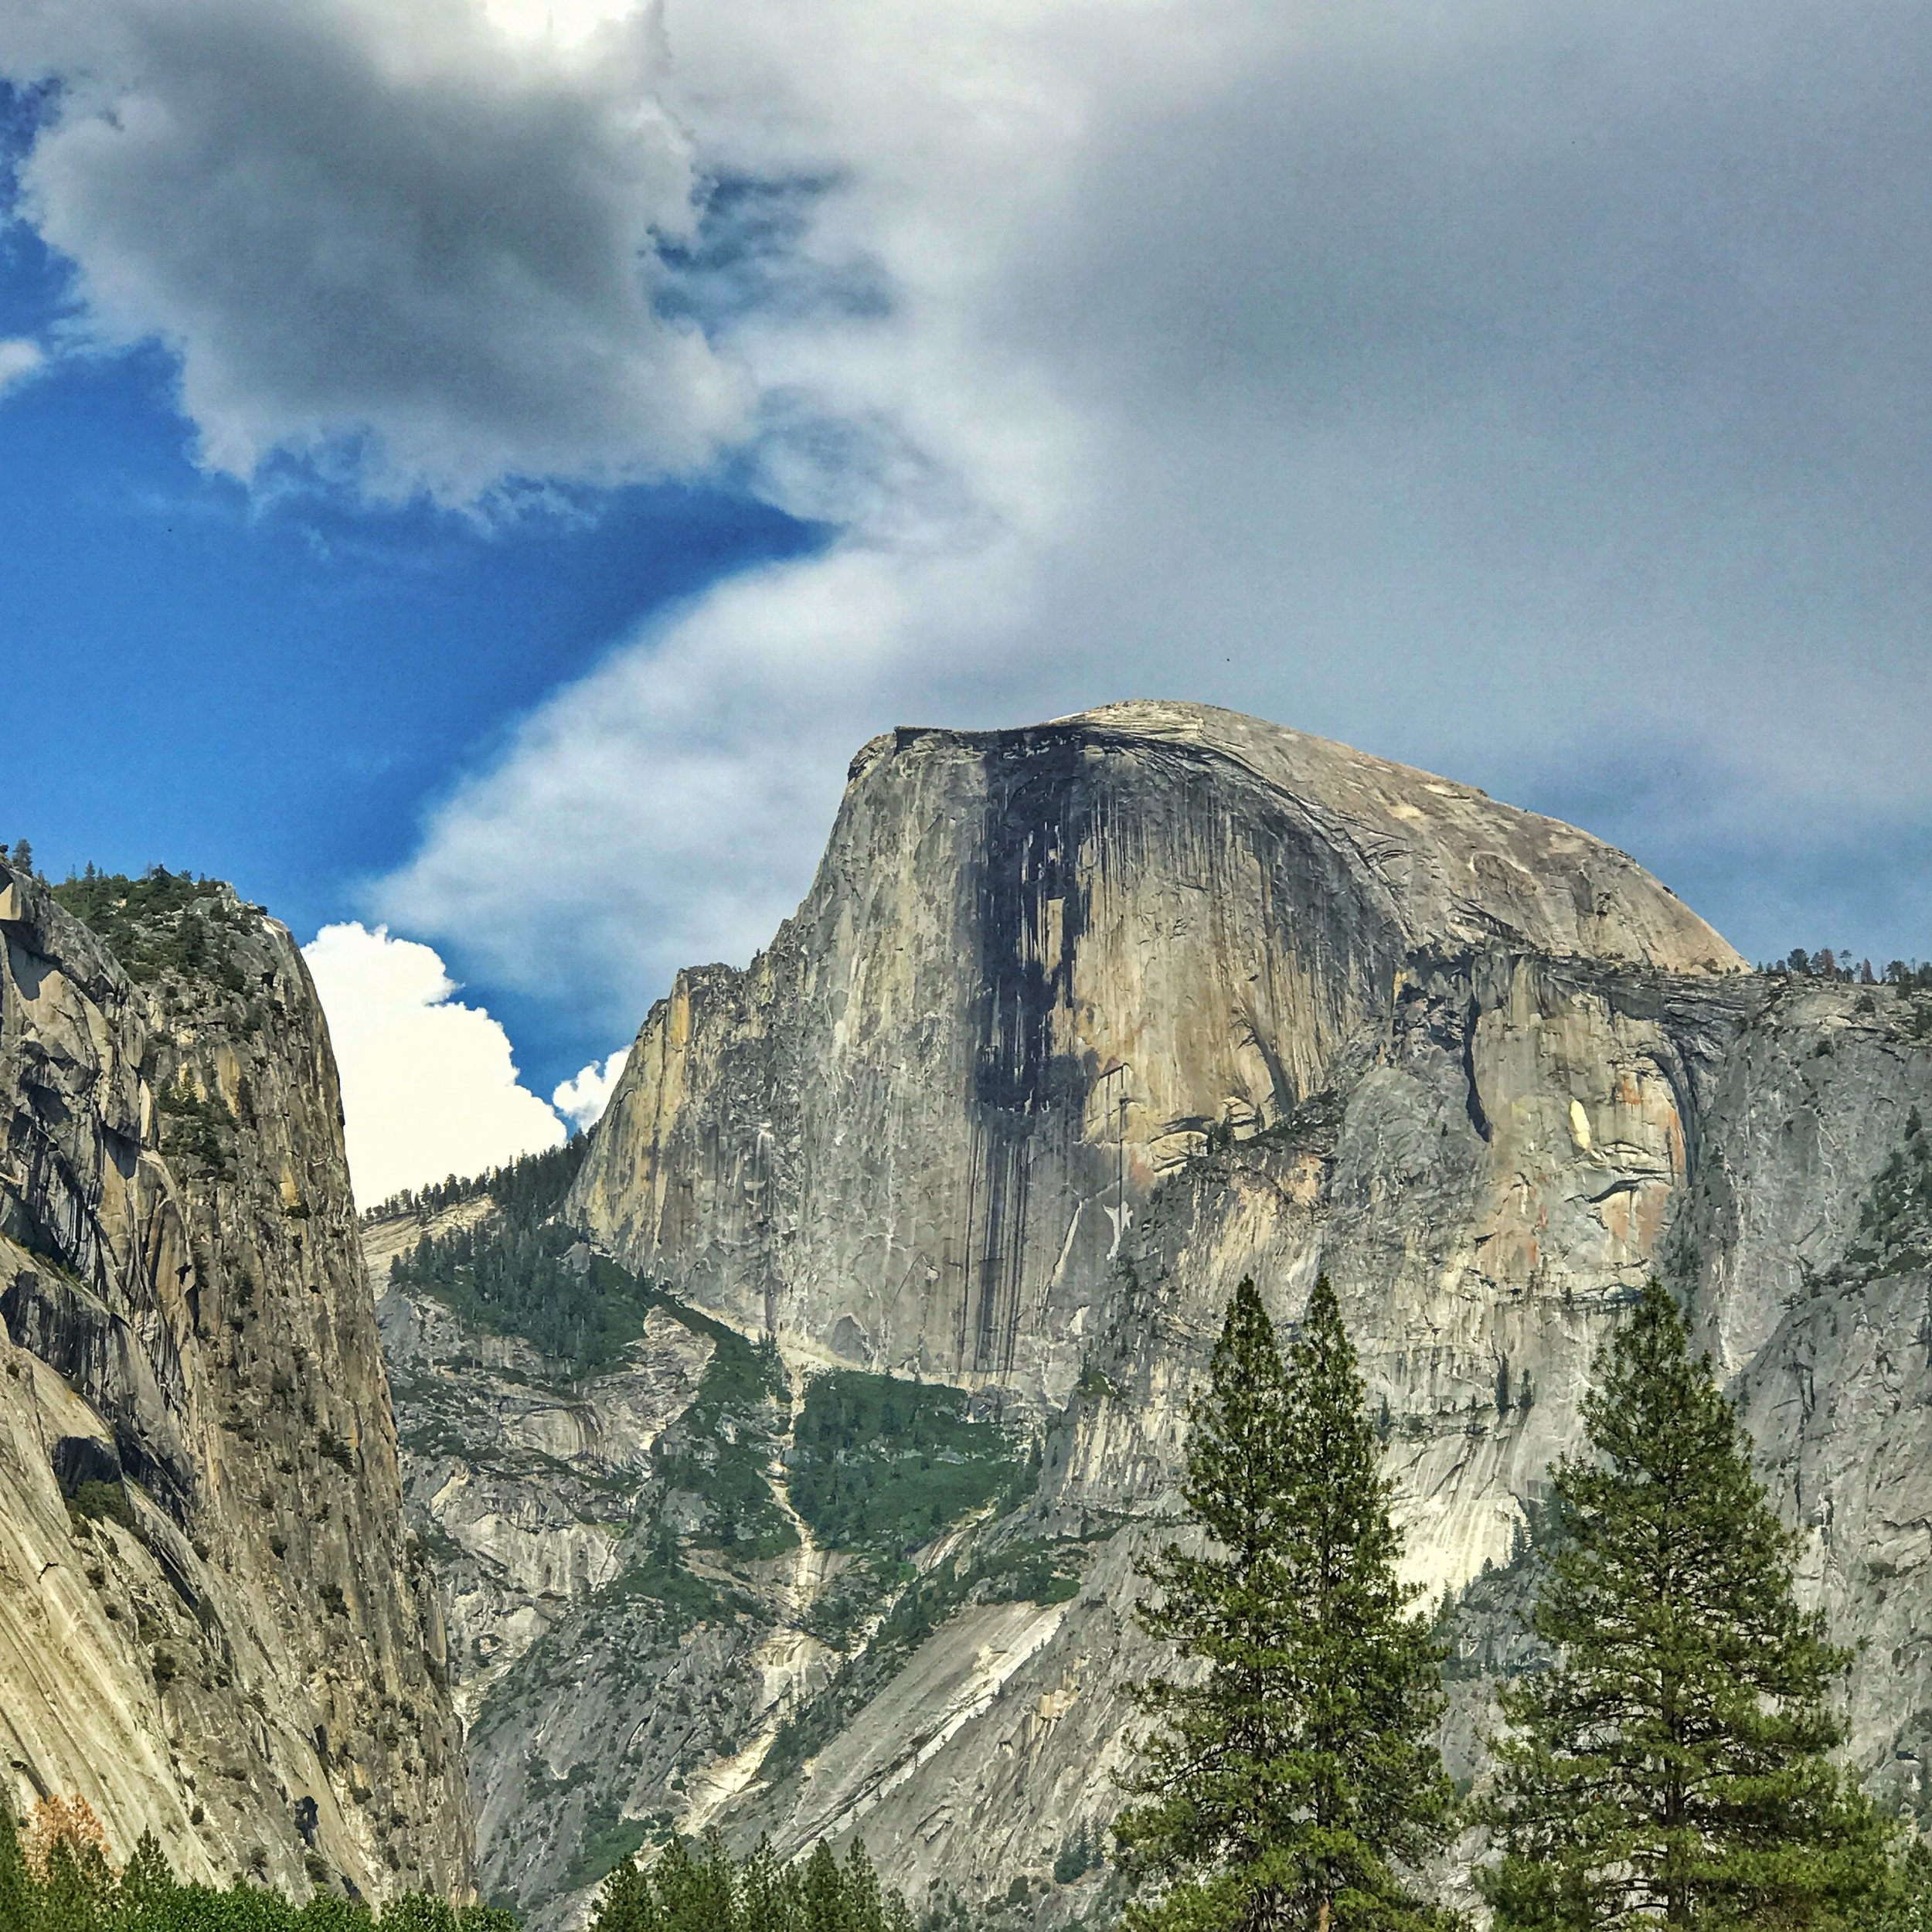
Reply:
x=767, y=1893
x=147, y=1882
x=824, y=1888
x=78, y=1886
x=864, y=1902
x=1909, y=1909
x=1288, y=1781
x=696, y=1894
x=680, y=1892
x=412, y=1912
x=1670, y=1767
x=626, y=1902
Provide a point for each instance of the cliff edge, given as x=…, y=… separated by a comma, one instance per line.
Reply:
x=215, y=1628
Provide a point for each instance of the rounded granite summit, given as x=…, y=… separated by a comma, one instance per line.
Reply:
x=1043, y=967
x=1460, y=868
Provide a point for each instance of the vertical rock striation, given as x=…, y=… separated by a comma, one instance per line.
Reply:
x=216, y=1625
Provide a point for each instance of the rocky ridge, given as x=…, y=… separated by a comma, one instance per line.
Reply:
x=217, y=1626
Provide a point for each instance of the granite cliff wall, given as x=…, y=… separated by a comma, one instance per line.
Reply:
x=1038, y=971
x=1079, y=1024
x=216, y=1625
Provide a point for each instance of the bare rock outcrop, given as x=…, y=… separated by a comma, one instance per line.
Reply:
x=216, y=1625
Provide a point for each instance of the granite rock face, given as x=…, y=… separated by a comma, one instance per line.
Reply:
x=1079, y=1024
x=1038, y=971
x=522, y=1477
x=216, y=1626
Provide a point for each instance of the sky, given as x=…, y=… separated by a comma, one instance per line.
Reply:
x=473, y=472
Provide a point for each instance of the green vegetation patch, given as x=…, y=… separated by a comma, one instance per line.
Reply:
x=1031, y=1571
x=102, y=1502
x=608, y=1841
x=883, y=1463
x=701, y=1888
x=197, y=1125
x=540, y=1283
x=679, y=1597
x=162, y=921
x=721, y=1449
x=519, y=1272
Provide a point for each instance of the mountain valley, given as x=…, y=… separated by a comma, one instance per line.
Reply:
x=776, y=1457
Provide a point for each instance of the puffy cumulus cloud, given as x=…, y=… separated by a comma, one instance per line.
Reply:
x=1538, y=393
x=429, y=1088
x=18, y=359
x=419, y=240
x=583, y=1098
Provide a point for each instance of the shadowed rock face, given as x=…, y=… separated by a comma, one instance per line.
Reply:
x=1079, y=1024
x=226, y=1640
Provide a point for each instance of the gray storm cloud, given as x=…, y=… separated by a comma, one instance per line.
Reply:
x=394, y=238
x=1535, y=393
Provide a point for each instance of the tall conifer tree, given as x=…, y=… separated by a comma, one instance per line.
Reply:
x=1286, y=1782
x=627, y=1902
x=1671, y=1768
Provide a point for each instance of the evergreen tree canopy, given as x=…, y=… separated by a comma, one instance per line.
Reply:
x=61, y=1879
x=1287, y=1783
x=1670, y=1767
x=17, y=1899
x=58, y=1877
x=1909, y=1907
x=689, y=1888
x=522, y=1271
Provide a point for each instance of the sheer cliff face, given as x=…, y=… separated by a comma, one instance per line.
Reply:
x=1038, y=971
x=214, y=1626
x=1079, y=1024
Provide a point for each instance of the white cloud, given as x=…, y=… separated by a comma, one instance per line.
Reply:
x=1535, y=393
x=429, y=1088
x=1538, y=392
x=18, y=359
x=412, y=241
x=679, y=796
x=583, y=1098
